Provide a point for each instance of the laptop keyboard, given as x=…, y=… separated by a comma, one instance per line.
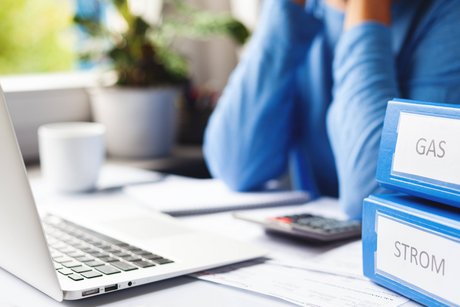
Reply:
x=80, y=253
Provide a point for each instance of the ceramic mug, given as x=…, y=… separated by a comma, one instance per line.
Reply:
x=71, y=155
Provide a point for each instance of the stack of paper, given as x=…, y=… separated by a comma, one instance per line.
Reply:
x=334, y=279
x=183, y=196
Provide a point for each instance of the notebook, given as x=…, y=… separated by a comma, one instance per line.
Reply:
x=177, y=196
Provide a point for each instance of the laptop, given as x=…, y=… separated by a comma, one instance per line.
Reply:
x=83, y=250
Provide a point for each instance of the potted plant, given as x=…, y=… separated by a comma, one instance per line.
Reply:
x=139, y=109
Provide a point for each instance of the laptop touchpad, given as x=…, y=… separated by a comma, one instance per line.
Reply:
x=144, y=227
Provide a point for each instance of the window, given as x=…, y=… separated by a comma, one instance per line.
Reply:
x=35, y=36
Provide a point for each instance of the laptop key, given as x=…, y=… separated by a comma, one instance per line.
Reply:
x=98, y=244
x=84, y=258
x=107, y=269
x=56, y=246
x=62, y=259
x=75, y=277
x=162, y=261
x=93, y=252
x=108, y=259
x=65, y=271
x=78, y=245
x=92, y=241
x=132, y=258
x=94, y=263
x=143, y=252
x=112, y=250
x=151, y=256
x=134, y=249
x=81, y=269
x=71, y=264
x=66, y=249
x=124, y=266
x=144, y=264
x=75, y=254
x=98, y=254
x=91, y=274
x=106, y=247
x=122, y=244
x=58, y=266
x=121, y=254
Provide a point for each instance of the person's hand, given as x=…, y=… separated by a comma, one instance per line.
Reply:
x=299, y=2
x=359, y=11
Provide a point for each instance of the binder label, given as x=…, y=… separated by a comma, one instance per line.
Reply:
x=428, y=146
x=419, y=257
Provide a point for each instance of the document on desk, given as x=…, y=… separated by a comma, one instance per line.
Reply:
x=308, y=284
x=178, y=195
x=345, y=260
x=112, y=178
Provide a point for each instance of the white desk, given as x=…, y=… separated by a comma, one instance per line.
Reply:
x=180, y=291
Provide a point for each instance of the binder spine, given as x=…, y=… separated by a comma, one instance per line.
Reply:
x=375, y=209
x=413, y=184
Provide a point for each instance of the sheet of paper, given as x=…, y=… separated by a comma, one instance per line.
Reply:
x=303, y=287
x=331, y=279
x=181, y=196
x=345, y=260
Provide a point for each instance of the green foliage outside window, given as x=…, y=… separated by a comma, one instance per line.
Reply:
x=35, y=36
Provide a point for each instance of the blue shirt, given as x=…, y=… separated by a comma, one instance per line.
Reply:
x=308, y=95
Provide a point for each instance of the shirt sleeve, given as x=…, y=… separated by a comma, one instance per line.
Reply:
x=365, y=79
x=434, y=64
x=248, y=137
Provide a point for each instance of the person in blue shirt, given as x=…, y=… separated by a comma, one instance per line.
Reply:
x=312, y=87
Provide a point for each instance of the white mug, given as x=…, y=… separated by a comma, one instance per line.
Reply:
x=71, y=155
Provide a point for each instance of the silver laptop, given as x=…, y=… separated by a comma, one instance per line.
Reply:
x=85, y=250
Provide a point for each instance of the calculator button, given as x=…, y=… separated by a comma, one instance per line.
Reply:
x=283, y=219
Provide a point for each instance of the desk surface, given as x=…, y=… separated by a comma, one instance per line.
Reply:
x=178, y=291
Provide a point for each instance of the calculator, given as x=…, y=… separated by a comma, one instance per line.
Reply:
x=309, y=226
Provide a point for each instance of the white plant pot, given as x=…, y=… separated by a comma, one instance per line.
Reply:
x=141, y=123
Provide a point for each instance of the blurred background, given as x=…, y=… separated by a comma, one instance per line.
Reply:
x=53, y=51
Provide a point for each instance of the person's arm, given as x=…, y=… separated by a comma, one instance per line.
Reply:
x=365, y=79
x=248, y=136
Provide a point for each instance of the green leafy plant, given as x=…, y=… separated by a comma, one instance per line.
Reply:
x=35, y=37
x=143, y=53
